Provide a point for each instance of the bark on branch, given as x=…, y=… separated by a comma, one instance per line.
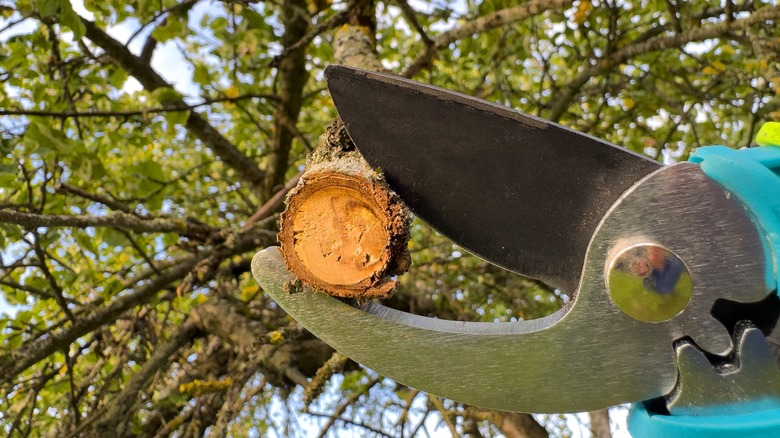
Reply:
x=511, y=424
x=220, y=318
x=599, y=423
x=334, y=21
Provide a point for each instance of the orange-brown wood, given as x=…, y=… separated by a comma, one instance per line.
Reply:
x=345, y=233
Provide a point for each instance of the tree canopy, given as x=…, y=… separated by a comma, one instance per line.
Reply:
x=146, y=148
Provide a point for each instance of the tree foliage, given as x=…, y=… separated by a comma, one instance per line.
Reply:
x=147, y=145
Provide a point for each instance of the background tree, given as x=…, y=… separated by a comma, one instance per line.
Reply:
x=147, y=146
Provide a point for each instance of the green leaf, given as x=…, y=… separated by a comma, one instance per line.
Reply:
x=155, y=202
x=201, y=75
x=176, y=118
x=8, y=174
x=44, y=136
x=5, y=144
x=14, y=341
x=165, y=96
x=113, y=237
x=84, y=241
x=171, y=29
x=88, y=167
x=219, y=24
x=47, y=8
x=69, y=18
x=24, y=316
x=117, y=78
x=151, y=169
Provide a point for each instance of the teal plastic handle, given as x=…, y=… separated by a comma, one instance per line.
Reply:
x=753, y=176
x=644, y=424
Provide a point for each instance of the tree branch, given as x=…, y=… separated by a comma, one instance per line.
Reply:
x=512, y=424
x=137, y=112
x=197, y=125
x=19, y=360
x=570, y=90
x=33, y=352
x=57, y=291
x=148, y=50
x=445, y=414
x=62, y=187
x=334, y=21
x=275, y=201
x=112, y=424
x=292, y=77
x=29, y=289
x=359, y=424
x=220, y=318
x=179, y=7
x=317, y=384
x=118, y=220
x=344, y=405
x=599, y=423
x=482, y=24
x=411, y=18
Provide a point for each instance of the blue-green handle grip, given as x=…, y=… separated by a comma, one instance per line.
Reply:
x=644, y=424
x=753, y=176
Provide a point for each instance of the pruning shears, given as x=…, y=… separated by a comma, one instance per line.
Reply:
x=673, y=270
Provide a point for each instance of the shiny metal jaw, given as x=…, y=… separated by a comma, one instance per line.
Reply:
x=586, y=356
x=749, y=382
x=521, y=192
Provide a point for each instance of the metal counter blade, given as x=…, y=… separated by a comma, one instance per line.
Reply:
x=587, y=356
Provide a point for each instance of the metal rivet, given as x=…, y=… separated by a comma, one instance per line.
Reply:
x=648, y=282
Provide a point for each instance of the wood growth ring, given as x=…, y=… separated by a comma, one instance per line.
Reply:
x=343, y=234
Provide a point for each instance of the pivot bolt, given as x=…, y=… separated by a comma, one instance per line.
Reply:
x=648, y=282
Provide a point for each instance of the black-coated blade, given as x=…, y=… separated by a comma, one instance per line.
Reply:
x=519, y=191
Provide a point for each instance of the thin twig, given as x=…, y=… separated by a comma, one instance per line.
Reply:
x=445, y=414
x=332, y=22
x=178, y=7
x=411, y=16
x=62, y=187
x=266, y=209
x=57, y=292
x=112, y=423
x=336, y=415
x=566, y=95
x=482, y=24
x=352, y=422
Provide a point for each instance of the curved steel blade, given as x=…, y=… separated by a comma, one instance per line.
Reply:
x=587, y=356
x=521, y=192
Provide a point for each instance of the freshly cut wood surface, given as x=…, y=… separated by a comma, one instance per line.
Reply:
x=344, y=232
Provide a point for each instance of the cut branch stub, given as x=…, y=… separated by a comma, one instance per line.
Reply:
x=344, y=232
